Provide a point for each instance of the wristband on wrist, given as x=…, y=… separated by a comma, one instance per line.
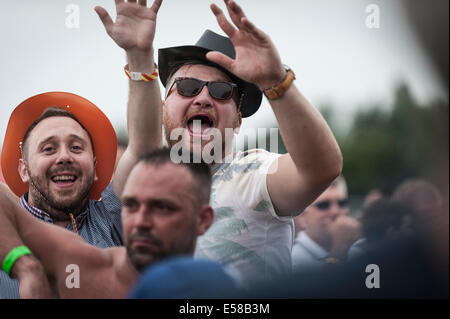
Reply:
x=277, y=91
x=138, y=76
x=12, y=257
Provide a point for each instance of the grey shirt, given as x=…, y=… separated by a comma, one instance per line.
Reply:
x=99, y=225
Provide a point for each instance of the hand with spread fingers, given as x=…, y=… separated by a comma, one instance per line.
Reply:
x=134, y=31
x=134, y=28
x=257, y=60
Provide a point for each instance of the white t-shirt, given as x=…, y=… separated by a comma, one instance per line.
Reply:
x=247, y=236
x=306, y=253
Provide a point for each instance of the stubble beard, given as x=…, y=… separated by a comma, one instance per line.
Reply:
x=142, y=257
x=41, y=197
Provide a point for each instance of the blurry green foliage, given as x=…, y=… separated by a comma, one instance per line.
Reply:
x=383, y=146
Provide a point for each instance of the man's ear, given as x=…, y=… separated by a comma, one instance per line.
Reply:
x=204, y=219
x=239, y=122
x=23, y=171
x=95, y=169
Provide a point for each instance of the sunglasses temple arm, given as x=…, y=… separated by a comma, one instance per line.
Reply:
x=240, y=102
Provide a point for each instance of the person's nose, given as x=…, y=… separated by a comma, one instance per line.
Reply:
x=335, y=209
x=203, y=99
x=64, y=156
x=143, y=218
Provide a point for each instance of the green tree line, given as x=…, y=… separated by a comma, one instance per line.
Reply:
x=385, y=145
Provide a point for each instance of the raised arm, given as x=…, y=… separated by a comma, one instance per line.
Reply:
x=134, y=31
x=314, y=157
x=5, y=189
x=53, y=249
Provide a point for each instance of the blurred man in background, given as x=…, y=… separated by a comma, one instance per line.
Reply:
x=326, y=230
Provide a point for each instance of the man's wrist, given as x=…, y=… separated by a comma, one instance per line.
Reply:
x=141, y=62
x=338, y=252
x=25, y=265
x=274, y=80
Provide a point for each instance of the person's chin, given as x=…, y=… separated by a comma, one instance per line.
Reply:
x=141, y=261
x=67, y=199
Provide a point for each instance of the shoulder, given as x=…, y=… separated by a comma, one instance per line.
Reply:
x=109, y=202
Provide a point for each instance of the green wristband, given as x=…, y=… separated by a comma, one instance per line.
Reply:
x=12, y=257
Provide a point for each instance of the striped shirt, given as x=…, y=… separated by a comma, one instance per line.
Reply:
x=99, y=225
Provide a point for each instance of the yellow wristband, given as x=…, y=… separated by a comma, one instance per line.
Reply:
x=138, y=76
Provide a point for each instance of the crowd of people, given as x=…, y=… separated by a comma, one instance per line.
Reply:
x=157, y=224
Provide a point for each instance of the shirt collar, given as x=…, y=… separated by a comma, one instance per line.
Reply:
x=314, y=248
x=44, y=216
x=36, y=212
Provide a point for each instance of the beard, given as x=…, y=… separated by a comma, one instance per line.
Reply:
x=143, y=256
x=55, y=204
x=169, y=125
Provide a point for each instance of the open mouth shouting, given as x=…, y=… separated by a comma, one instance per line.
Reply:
x=200, y=124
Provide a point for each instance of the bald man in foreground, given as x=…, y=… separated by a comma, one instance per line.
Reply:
x=165, y=208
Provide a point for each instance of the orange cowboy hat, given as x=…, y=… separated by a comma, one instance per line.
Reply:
x=93, y=119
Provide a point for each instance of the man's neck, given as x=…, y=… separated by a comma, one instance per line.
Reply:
x=320, y=240
x=60, y=217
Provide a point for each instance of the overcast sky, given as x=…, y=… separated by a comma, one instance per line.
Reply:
x=336, y=58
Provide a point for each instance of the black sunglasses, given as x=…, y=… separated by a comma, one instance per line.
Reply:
x=190, y=87
x=326, y=204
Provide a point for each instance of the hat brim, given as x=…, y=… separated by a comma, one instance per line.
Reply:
x=169, y=57
x=93, y=119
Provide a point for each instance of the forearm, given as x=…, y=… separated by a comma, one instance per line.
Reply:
x=6, y=190
x=144, y=112
x=53, y=246
x=33, y=281
x=308, y=139
x=9, y=227
x=144, y=116
x=26, y=268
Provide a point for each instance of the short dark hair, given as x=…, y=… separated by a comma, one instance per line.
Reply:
x=380, y=215
x=52, y=111
x=418, y=193
x=200, y=172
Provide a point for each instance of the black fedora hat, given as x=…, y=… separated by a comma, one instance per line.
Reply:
x=168, y=58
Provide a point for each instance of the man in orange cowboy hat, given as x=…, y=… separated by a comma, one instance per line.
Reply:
x=58, y=156
x=60, y=161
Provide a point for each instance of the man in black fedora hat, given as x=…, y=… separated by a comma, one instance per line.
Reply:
x=210, y=87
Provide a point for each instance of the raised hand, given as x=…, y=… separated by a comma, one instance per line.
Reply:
x=134, y=28
x=257, y=59
x=344, y=231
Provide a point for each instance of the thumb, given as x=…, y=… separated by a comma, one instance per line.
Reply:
x=220, y=59
x=105, y=18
